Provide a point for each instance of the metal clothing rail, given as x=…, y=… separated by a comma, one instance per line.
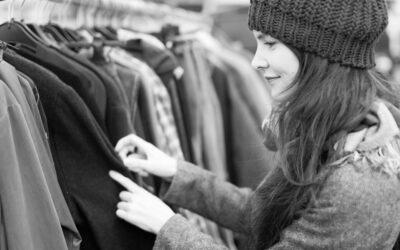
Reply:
x=155, y=10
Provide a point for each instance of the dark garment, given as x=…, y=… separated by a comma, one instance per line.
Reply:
x=71, y=234
x=188, y=88
x=214, y=155
x=247, y=158
x=35, y=213
x=83, y=156
x=131, y=83
x=136, y=89
x=165, y=64
x=123, y=77
x=83, y=81
x=172, y=86
x=117, y=117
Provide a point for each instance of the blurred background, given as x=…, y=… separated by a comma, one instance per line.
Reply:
x=230, y=17
x=178, y=70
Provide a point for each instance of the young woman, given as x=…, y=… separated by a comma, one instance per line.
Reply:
x=334, y=124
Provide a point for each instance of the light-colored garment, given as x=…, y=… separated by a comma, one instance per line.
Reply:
x=29, y=218
x=357, y=207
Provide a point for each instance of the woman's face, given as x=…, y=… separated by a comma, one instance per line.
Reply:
x=278, y=64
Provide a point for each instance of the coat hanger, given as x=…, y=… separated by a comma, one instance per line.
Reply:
x=73, y=34
x=17, y=32
x=106, y=33
x=54, y=32
x=38, y=30
x=57, y=32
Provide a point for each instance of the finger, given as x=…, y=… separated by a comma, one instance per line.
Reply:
x=125, y=215
x=122, y=214
x=125, y=196
x=130, y=140
x=135, y=164
x=125, y=152
x=124, y=206
x=125, y=182
x=143, y=174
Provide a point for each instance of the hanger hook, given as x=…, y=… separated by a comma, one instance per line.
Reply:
x=10, y=11
x=21, y=10
x=52, y=8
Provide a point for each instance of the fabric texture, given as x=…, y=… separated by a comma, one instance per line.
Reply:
x=248, y=161
x=165, y=64
x=28, y=217
x=344, y=32
x=168, y=140
x=71, y=234
x=145, y=94
x=24, y=94
x=244, y=102
x=203, y=120
x=83, y=156
x=82, y=80
x=355, y=208
x=117, y=107
x=34, y=171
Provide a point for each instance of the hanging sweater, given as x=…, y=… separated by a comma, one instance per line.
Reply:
x=357, y=207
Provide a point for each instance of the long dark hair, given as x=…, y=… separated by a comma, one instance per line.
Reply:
x=327, y=101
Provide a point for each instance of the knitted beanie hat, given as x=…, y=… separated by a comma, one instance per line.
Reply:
x=342, y=31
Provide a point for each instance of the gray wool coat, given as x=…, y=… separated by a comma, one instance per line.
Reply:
x=357, y=208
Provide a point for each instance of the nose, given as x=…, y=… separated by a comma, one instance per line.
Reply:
x=259, y=62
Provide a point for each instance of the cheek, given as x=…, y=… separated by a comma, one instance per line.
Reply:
x=287, y=63
x=289, y=68
x=281, y=88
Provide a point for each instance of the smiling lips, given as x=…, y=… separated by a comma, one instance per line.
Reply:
x=271, y=78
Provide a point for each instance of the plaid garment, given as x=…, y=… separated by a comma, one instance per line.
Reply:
x=169, y=140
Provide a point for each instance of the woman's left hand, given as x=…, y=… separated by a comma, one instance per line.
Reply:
x=139, y=207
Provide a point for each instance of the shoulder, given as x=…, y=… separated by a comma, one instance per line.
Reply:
x=365, y=187
x=357, y=207
x=373, y=173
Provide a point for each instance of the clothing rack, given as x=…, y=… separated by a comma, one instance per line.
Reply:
x=139, y=15
x=139, y=8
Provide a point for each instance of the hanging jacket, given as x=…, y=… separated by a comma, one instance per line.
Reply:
x=83, y=156
x=117, y=116
x=83, y=81
x=166, y=65
x=34, y=214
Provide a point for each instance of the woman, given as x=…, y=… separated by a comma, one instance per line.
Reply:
x=334, y=124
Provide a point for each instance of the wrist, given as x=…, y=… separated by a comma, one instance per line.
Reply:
x=164, y=222
x=173, y=169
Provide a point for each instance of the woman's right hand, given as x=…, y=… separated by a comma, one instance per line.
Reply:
x=144, y=158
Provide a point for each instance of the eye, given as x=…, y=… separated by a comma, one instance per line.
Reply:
x=270, y=44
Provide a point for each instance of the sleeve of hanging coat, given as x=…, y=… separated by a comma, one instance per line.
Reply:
x=203, y=193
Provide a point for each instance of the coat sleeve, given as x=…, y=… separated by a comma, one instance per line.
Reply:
x=202, y=192
x=354, y=210
x=178, y=233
